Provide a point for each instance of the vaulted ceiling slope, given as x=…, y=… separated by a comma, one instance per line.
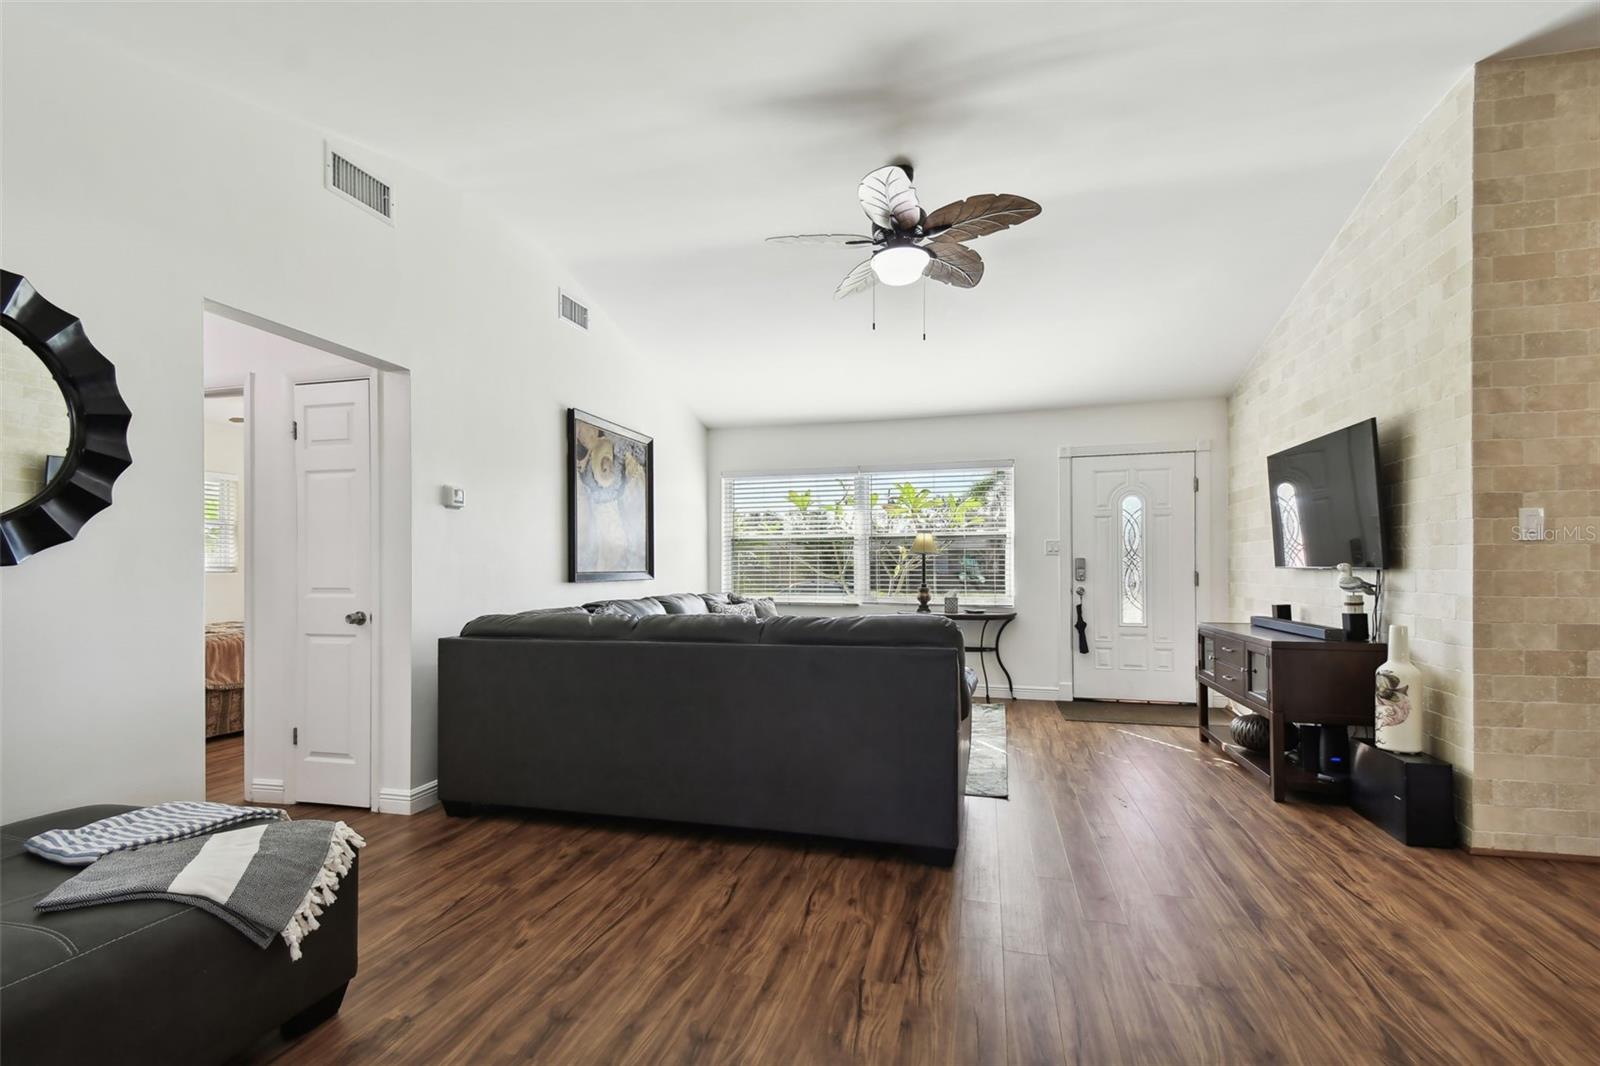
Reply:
x=1193, y=160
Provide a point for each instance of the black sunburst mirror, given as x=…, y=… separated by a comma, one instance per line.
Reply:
x=72, y=486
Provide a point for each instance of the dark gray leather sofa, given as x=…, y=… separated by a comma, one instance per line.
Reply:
x=150, y=981
x=844, y=727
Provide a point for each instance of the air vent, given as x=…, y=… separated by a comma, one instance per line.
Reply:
x=356, y=184
x=574, y=312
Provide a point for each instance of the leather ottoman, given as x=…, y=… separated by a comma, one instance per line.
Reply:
x=151, y=981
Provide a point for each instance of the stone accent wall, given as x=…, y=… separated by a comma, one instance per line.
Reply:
x=1382, y=328
x=36, y=423
x=1536, y=443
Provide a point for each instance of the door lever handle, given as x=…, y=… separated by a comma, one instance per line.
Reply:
x=356, y=618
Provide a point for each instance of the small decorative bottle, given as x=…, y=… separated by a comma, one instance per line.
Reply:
x=1399, y=699
x=952, y=604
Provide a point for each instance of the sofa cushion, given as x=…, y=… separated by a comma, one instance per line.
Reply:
x=735, y=610
x=766, y=606
x=511, y=625
x=891, y=630
x=701, y=629
x=682, y=603
x=640, y=608
x=573, y=623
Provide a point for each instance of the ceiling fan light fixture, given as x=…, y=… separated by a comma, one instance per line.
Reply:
x=900, y=264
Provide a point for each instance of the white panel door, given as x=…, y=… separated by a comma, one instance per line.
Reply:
x=332, y=715
x=1133, y=528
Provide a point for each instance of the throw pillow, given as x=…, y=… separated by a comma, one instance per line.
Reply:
x=611, y=610
x=741, y=610
x=766, y=606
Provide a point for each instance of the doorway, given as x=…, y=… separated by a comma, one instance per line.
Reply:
x=223, y=498
x=1133, y=576
x=324, y=476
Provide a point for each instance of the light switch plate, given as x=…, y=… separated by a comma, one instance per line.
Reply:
x=1052, y=547
x=1530, y=523
x=454, y=498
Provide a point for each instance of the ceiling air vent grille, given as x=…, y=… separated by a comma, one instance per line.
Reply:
x=357, y=185
x=573, y=311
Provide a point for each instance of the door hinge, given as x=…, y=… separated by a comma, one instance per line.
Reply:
x=1197, y=483
x=294, y=736
x=294, y=430
x=1197, y=579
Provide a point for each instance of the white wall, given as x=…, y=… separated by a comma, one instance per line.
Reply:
x=130, y=197
x=1033, y=440
x=224, y=454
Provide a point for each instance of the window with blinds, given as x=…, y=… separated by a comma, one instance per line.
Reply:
x=222, y=523
x=845, y=536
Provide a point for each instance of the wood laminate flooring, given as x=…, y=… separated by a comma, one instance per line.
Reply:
x=1138, y=899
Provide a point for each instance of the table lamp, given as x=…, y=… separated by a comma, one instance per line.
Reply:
x=924, y=545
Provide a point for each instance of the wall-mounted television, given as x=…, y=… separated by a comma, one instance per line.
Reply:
x=1326, y=507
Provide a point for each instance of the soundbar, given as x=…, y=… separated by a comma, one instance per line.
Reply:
x=1299, y=629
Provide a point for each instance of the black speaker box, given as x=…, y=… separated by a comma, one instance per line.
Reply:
x=1410, y=796
x=1308, y=748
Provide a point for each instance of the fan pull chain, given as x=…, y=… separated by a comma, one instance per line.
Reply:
x=924, y=307
x=874, y=304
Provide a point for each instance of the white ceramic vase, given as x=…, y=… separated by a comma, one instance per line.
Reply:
x=1398, y=708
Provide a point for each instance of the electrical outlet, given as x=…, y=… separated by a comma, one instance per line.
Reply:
x=1052, y=547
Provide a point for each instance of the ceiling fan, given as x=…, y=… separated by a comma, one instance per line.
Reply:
x=908, y=243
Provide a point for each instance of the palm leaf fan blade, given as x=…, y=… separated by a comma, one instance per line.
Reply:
x=821, y=238
x=889, y=199
x=979, y=216
x=954, y=264
x=860, y=277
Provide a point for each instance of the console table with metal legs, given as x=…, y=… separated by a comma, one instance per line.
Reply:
x=984, y=648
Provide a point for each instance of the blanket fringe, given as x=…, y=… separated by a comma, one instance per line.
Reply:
x=324, y=890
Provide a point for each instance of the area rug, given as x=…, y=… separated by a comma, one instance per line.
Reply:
x=986, y=765
x=1128, y=713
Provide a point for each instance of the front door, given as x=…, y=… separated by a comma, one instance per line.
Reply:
x=1133, y=543
x=332, y=716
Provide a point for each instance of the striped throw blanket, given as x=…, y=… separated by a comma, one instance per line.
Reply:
x=266, y=880
x=147, y=825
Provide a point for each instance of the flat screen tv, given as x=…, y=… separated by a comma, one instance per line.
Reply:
x=1325, y=501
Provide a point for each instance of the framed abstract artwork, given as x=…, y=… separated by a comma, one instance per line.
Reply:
x=611, y=520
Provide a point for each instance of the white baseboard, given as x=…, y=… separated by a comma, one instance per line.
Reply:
x=1023, y=692
x=408, y=800
x=266, y=790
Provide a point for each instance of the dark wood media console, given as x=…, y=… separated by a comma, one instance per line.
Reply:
x=1288, y=678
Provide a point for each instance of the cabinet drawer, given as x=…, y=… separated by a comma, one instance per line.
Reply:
x=1230, y=652
x=1230, y=679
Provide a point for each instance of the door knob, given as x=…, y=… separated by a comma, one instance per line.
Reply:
x=356, y=618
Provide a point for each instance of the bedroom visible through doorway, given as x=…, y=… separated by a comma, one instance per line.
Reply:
x=223, y=545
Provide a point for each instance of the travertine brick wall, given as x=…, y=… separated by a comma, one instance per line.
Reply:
x=36, y=422
x=1536, y=443
x=1382, y=328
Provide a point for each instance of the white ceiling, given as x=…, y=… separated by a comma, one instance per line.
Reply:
x=1193, y=161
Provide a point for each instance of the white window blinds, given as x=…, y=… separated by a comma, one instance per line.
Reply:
x=845, y=536
x=968, y=511
x=222, y=523
x=791, y=536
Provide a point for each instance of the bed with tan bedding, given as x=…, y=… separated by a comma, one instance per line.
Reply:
x=224, y=678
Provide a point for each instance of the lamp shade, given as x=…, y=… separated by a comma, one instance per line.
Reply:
x=924, y=544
